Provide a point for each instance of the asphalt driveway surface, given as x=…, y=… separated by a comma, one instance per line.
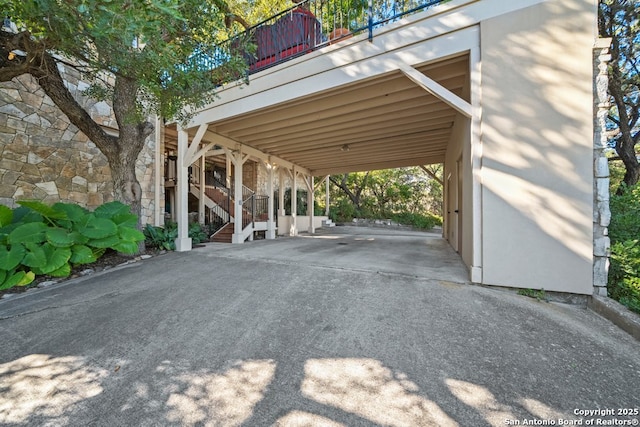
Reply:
x=351, y=327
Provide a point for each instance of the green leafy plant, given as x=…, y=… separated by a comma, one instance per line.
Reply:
x=538, y=294
x=161, y=237
x=197, y=233
x=624, y=231
x=38, y=239
x=164, y=237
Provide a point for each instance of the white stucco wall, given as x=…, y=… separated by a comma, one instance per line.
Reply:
x=537, y=132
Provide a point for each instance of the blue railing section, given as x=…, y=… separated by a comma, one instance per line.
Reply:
x=305, y=27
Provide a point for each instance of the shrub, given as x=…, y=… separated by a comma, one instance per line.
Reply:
x=419, y=221
x=165, y=237
x=37, y=239
x=624, y=231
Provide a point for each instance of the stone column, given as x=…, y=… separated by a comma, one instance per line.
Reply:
x=601, y=212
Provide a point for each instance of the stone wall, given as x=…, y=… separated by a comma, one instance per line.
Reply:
x=45, y=157
x=601, y=212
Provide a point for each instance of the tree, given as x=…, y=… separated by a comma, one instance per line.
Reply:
x=352, y=185
x=389, y=192
x=619, y=19
x=143, y=57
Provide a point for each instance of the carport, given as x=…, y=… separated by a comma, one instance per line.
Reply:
x=500, y=93
x=361, y=108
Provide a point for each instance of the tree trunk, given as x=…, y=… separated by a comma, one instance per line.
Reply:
x=126, y=188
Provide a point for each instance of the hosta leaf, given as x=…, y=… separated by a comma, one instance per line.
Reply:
x=126, y=247
x=99, y=228
x=63, y=271
x=24, y=215
x=111, y=209
x=59, y=237
x=6, y=215
x=98, y=252
x=106, y=242
x=35, y=256
x=19, y=278
x=32, y=232
x=126, y=219
x=74, y=213
x=56, y=258
x=130, y=234
x=26, y=278
x=81, y=254
x=78, y=238
x=3, y=275
x=11, y=257
x=45, y=210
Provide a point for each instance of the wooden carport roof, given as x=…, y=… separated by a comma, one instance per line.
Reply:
x=385, y=121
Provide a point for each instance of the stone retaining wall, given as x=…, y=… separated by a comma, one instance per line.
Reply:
x=45, y=157
x=601, y=212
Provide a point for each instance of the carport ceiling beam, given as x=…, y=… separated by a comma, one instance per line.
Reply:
x=231, y=144
x=378, y=165
x=437, y=90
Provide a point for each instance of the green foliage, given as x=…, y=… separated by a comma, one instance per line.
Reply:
x=197, y=233
x=406, y=195
x=161, y=237
x=416, y=220
x=624, y=274
x=540, y=295
x=151, y=43
x=165, y=237
x=625, y=214
x=624, y=232
x=37, y=239
x=619, y=20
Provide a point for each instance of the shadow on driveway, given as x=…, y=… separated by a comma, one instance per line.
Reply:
x=306, y=331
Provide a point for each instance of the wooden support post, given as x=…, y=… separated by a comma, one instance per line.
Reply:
x=310, y=203
x=237, y=196
x=271, y=225
x=294, y=203
x=183, y=242
x=326, y=196
x=201, y=195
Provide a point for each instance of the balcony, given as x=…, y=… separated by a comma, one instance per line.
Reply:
x=305, y=27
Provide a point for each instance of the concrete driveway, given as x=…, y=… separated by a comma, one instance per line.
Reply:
x=351, y=327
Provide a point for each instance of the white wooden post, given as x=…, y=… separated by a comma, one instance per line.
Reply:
x=326, y=196
x=281, y=209
x=202, y=191
x=228, y=170
x=158, y=203
x=310, y=202
x=271, y=225
x=183, y=242
x=294, y=204
x=237, y=196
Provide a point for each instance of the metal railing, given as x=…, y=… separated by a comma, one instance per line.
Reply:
x=305, y=27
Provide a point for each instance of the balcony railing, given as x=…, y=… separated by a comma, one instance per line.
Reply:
x=308, y=26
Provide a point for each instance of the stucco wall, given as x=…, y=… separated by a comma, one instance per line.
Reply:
x=537, y=147
x=459, y=231
x=45, y=157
